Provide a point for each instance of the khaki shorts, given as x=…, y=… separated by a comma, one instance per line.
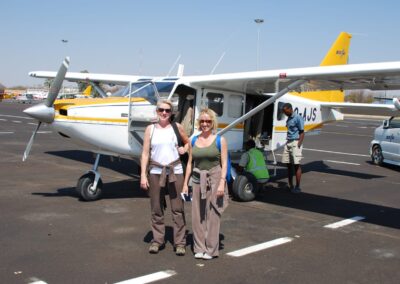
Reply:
x=291, y=153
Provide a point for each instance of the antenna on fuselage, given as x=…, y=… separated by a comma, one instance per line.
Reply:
x=173, y=65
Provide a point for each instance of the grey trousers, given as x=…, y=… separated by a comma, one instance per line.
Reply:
x=157, y=197
x=205, y=223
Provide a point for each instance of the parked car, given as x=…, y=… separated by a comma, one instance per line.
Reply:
x=385, y=147
x=24, y=98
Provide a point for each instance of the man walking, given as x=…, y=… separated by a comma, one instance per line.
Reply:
x=292, y=153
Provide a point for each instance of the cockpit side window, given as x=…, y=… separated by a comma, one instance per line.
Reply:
x=216, y=102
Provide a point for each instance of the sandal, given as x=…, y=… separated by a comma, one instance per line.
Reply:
x=154, y=248
x=180, y=250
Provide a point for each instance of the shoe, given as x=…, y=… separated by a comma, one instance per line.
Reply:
x=295, y=190
x=180, y=250
x=207, y=257
x=199, y=255
x=154, y=248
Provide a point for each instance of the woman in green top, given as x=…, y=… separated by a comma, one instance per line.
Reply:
x=210, y=194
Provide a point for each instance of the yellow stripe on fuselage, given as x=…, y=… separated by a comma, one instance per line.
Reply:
x=91, y=119
x=68, y=103
x=307, y=127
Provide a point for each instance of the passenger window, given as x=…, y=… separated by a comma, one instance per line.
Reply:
x=395, y=123
x=280, y=114
x=235, y=106
x=216, y=103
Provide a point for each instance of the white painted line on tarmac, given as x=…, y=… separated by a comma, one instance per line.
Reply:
x=150, y=277
x=38, y=282
x=2, y=119
x=344, y=222
x=259, y=247
x=15, y=116
x=44, y=132
x=340, y=153
x=32, y=123
x=340, y=162
x=6, y=132
x=17, y=121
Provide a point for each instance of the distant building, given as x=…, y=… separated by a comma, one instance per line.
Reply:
x=2, y=91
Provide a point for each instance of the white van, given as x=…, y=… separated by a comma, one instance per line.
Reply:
x=385, y=148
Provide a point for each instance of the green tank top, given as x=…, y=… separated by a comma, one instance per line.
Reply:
x=206, y=158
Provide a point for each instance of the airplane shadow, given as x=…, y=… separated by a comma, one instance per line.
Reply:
x=112, y=190
x=122, y=165
x=276, y=193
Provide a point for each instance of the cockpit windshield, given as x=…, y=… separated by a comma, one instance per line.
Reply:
x=151, y=91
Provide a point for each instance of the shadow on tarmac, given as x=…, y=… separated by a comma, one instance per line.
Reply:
x=278, y=194
x=375, y=214
x=111, y=190
x=122, y=165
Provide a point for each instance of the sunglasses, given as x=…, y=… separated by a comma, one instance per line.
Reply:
x=167, y=110
x=205, y=121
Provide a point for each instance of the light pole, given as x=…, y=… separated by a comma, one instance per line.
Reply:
x=258, y=22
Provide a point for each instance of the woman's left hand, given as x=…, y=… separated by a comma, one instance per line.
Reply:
x=221, y=190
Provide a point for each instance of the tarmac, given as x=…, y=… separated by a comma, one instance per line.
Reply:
x=342, y=228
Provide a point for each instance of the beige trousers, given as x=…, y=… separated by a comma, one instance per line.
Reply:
x=157, y=197
x=206, y=215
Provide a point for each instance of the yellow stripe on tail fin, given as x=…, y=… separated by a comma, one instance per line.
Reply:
x=338, y=54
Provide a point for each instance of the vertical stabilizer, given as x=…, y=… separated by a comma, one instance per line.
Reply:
x=338, y=54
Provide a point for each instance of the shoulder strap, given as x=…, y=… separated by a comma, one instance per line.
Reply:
x=177, y=134
x=218, y=142
x=194, y=139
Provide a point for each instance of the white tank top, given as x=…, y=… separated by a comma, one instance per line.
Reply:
x=164, y=150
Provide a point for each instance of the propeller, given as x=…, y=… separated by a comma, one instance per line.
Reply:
x=45, y=112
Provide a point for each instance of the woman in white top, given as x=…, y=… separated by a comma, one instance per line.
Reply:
x=166, y=170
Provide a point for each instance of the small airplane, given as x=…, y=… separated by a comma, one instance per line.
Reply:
x=64, y=40
x=248, y=104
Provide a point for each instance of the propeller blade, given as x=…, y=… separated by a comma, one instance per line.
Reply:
x=57, y=83
x=29, y=146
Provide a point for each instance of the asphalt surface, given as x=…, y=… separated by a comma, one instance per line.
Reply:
x=48, y=235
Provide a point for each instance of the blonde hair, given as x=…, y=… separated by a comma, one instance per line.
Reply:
x=167, y=102
x=213, y=117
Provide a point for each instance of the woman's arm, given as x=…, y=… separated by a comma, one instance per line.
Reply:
x=185, y=140
x=224, y=165
x=144, y=161
x=185, y=188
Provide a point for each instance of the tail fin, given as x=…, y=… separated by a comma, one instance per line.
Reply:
x=338, y=54
x=87, y=92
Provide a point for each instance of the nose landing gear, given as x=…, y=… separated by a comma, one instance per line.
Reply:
x=90, y=185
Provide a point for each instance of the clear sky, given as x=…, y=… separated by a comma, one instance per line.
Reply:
x=146, y=37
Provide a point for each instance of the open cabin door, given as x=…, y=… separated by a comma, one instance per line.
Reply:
x=142, y=111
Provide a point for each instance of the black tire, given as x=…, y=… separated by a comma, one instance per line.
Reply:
x=377, y=156
x=245, y=187
x=85, y=182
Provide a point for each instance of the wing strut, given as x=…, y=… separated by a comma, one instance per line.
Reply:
x=260, y=107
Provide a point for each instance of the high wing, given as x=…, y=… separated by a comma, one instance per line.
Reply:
x=373, y=76
x=91, y=77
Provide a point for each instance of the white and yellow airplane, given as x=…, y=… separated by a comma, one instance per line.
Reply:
x=248, y=104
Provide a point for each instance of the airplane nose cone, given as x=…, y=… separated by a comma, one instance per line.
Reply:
x=41, y=112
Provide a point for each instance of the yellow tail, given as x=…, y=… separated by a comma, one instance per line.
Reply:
x=338, y=54
x=88, y=91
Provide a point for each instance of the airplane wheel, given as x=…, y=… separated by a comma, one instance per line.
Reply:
x=377, y=157
x=245, y=187
x=84, y=185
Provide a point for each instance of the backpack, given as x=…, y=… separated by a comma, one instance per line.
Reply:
x=228, y=168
